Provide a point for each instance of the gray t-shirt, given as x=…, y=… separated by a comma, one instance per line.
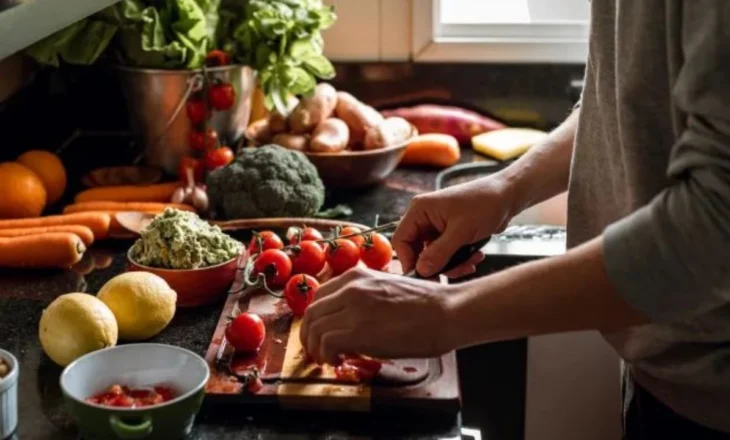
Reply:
x=651, y=171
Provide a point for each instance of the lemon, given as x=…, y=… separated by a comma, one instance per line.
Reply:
x=75, y=324
x=142, y=302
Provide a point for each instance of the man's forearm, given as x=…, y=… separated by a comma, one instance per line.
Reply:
x=544, y=171
x=566, y=293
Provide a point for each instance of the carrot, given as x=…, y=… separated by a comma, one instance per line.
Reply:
x=83, y=232
x=439, y=150
x=124, y=206
x=159, y=192
x=98, y=222
x=53, y=249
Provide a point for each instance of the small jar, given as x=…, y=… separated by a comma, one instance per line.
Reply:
x=8, y=396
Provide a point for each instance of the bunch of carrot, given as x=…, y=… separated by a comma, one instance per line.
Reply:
x=61, y=240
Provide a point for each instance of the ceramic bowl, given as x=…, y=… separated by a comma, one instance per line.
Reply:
x=136, y=366
x=194, y=287
x=9, y=396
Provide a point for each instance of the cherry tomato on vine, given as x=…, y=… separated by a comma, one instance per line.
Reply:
x=201, y=141
x=376, y=251
x=294, y=235
x=349, y=230
x=342, y=256
x=307, y=257
x=216, y=58
x=222, y=96
x=275, y=265
x=299, y=292
x=268, y=239
x=218, y=157
x=189, y=162
x=246, y=332
x=196, y=111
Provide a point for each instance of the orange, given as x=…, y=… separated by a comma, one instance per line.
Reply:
x=23, y=193
x=50, y=169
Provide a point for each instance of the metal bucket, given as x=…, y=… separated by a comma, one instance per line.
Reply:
x=156, y=105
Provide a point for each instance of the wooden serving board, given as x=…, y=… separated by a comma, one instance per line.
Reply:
x=291, y=381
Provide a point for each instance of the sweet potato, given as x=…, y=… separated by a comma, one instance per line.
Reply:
x=53, y=249
x=314, y=110
x=331, y=136
x=460, y=123
x=357, y=115
x=159, y=192
x=259, y=131
x=298, y=142
x=392, y=131
x=96, y=221
x=433, y=149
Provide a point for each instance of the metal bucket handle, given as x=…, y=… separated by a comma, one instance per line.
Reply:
x=195, y=83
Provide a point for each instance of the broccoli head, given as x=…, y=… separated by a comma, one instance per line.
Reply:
x=268, y=181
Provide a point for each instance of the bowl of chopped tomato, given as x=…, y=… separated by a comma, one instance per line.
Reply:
x=141, y=391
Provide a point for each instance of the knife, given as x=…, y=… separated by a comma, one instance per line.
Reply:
x=460, y=257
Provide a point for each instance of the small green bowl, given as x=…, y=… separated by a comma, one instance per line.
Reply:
x=136, y=366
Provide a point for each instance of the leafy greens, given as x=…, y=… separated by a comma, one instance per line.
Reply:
x=280, y=39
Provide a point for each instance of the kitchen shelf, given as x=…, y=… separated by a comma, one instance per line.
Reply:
x=29, y=21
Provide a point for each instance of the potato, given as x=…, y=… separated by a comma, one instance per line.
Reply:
x=313, y=111
x=277, y=122
x=259, y=131
x=391, y=131
x=357, y=115
x=331, y=136
x=298, y=142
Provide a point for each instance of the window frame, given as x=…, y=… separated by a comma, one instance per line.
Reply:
x=432, y=41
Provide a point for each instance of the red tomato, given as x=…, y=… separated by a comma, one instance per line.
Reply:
x=343, y=256
x=376, y=251
x=306, y=234
x=358, y=369
x=217, y=58
x=299, y=292
x=196, y=111
x=349, y=230
x=189, y=162
x=268, y=239
x=222, y=96
x=218, y=157
x=275, y=265
x=308, y=257
x=246, y=332
x=200, y=141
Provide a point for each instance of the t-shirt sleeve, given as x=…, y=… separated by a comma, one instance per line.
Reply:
x=671, y=258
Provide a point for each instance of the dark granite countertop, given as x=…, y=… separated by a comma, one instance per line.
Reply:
x=492, y=377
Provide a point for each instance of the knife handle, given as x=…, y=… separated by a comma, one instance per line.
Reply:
x=460, y=257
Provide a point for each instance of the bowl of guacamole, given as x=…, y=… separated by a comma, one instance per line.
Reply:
x=197, y=259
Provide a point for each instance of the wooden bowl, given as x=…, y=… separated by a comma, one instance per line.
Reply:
x=356, y=169
x=194, y=287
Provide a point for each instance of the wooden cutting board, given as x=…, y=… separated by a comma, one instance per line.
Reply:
x=293, y=382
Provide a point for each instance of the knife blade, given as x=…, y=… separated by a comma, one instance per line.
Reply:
x=460, y=257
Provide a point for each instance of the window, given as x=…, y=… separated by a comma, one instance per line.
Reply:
x=500, y=30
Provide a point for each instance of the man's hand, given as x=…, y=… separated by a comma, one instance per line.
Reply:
x=377, y=314
x=437, y=224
